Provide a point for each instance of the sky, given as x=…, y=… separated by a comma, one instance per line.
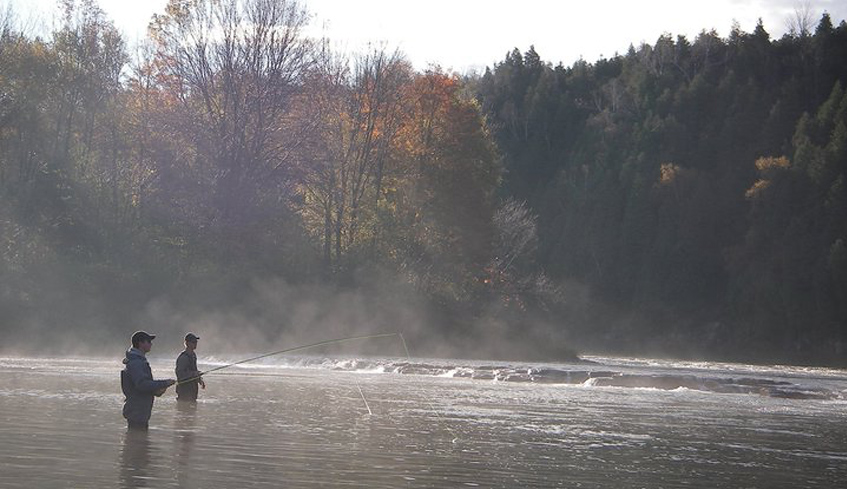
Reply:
x=468, y=35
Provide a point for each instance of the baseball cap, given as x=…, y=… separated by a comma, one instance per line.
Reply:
x=140, y=336
x=191, y=337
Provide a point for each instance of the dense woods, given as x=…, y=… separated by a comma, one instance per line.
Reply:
x=695, y=187
x=686, y=198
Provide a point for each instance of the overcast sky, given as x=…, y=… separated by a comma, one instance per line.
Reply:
x=472, y=34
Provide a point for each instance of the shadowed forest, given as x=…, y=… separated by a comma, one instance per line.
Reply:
x=233, y=176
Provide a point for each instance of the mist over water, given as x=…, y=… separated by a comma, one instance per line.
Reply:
x=267, y=314
x=300, y=421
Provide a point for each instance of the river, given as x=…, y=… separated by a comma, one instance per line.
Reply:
x=308, y=422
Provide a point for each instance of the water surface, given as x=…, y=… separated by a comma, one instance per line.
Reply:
x=305, y=422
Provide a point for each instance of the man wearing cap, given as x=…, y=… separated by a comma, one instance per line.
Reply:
x=186, y=371
x=137, y=382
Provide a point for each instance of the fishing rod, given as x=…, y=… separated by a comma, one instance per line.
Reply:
x=323, y=343
x=297, y=348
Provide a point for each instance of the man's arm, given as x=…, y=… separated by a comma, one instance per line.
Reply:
x=143, y=382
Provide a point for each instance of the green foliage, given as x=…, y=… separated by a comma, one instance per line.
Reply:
x=645, y=186
x=695, y=186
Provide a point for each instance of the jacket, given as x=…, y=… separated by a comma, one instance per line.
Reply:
x=186, y=368
x=138, y=386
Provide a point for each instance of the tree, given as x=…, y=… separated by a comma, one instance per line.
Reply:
x=234, y=67
x=444, y=204
x=359, y=112
x=517, y=282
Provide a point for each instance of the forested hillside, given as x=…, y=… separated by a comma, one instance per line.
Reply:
x=686, y=198
x=697, y=187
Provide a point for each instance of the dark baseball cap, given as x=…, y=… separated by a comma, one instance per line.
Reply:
x=191, y=337
x=140, y=336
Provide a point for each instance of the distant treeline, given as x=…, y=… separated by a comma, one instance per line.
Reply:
x=685, y=198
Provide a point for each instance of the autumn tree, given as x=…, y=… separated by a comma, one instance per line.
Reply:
x=358, y=107
x=232, y=68
x=442, y=208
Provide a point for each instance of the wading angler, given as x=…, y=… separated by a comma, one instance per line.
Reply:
x=186, y=371
x=137, y=382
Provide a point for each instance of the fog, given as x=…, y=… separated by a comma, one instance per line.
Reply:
x=262, y=315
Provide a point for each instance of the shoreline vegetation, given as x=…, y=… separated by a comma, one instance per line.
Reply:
x=685, y=199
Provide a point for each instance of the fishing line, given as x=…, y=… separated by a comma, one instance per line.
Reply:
x=429, y=403
x=363, y=398
x=323, y=343
x=290, y=350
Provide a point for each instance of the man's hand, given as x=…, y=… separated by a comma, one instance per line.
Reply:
x=202, y=384
x=168, y=382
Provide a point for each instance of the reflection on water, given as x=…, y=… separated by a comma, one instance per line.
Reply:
x=135, y=459
x=184, y=439
x=143, y=464
x=306, y=428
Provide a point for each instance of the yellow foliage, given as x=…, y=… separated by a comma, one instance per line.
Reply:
x=668, y=172
x=770, y=162
x=768, y=166
x=757, y=188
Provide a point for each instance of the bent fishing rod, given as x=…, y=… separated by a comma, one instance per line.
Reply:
x=297, y=348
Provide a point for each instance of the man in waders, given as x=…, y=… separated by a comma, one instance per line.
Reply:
x=137, y=382
x=186, y=371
